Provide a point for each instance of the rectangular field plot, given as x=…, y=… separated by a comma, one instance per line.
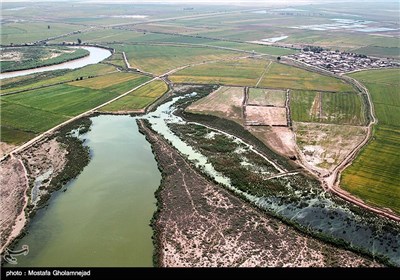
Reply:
x=159, y=59
x=284, y=76
x=226, y=102
x=267, y=97
x=374, y=175
x=259, y=115
x=116, y=82
x=326, y=107
x=137, y=99
x=243, y=72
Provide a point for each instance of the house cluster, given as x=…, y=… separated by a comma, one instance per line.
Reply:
x=342, y=62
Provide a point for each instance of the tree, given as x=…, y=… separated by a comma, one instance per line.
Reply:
x=79, y=41
x=278, y=58
x=48, y=26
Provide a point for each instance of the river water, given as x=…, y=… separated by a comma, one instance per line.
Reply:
x=103, y=218
x=96, y=55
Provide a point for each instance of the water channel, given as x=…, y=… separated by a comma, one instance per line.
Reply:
x=96, y=55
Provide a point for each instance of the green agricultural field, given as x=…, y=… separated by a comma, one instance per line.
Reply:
x=21, y=58
x=243, y=72
x=374, y=175
x=253, y=47
x=159, y=59
x=139, y=98
x=326, y=107
x=29, y=113
x=379, y=51
x=48, y=78
x=119, y=82
x=17, y=33
x=284, y=76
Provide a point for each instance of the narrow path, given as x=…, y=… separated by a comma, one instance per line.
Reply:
x=264, y=73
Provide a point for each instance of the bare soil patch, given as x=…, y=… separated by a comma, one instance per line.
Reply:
x=324, y=146
x=280, y=139
x=5, y=148
x=10, y=56
x=258, y=115
x=201, y=224
x=225, y=102
x=12, y=199
x=25, y=179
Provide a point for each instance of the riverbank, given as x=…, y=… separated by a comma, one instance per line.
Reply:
x=33, y=174
x=199, y=223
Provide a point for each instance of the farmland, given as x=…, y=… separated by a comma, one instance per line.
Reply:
x=137, y=99
x=243, y=72
x=326, y=107
x=159, y=59
x=48, y=78
x=283, y=76
x=374, y=174
x=35, y=111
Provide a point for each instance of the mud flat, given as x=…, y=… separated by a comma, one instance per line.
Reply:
x=198, y=223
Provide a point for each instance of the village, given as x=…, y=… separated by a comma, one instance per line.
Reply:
x=341, y=62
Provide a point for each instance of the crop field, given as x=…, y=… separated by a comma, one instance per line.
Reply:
x=35, y=111
x=243, y=72
x=138, y=99
x=53, y=77
x=283, y=76
x=116, y=59
x=159, y=59
x=17, y=33
x=31, y=57
x=326, y=107
x=374, y=175
x=379, y=51
x=265, y=97
x=119, y=82
x=226, y=102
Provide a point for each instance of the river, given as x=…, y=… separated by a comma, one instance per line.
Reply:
x=103, y=218
x=96, y=55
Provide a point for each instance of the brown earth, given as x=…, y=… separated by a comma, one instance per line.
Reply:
x=280, y=139
x=5, y=148
x=200, y=224
x=259, y=115
x=18, y=174
x=12, y=199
